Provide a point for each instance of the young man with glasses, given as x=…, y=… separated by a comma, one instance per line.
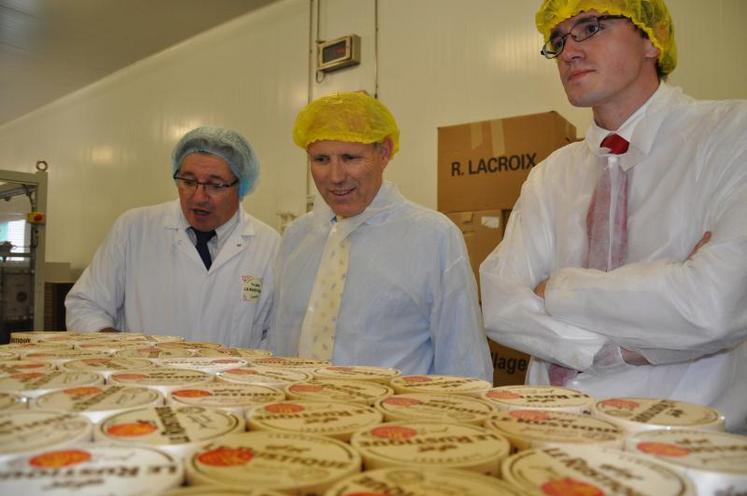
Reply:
x=623, y=268
x=199, y=267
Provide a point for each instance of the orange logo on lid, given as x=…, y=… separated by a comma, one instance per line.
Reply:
x=341, y=369
x=191, y=393
x=29, y=366
x=663, y=449
x=27, y=375
x=58, y=459
x=393, y=400
x=306, y=388
x=620, y=403
x=241, y=371
x=284, y=408
x=503, y=395
x=225, y=457
x=570, y=487
x=82, y=391
x=530, y=415
x=416, y=378
x=132, y=429
x=394, y=432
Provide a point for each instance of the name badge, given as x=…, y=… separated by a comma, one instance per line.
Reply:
x=251, y=288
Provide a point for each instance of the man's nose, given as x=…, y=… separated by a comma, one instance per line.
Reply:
x=337, y=172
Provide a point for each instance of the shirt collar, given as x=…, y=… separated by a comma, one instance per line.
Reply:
x=387, y=198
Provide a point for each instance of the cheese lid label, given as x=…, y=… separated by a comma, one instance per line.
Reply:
x=233, y=352
x=646, y=413
x=102, y=364
x=91, y=470
x=154, y=353
x=161, y=377
x=418, y=481
x=436, y=407
x=37, y=383
x=264, y=375
x=62, y=356
x=22, y=366
x=166, y=425
x=357, y=373
x=31, y=430
x=582, y=470
x=431, y=444
x=275, y=460
x=365, y=393
x=540, y=397
x=98, y=398
x=439, y=384
x=289, y=362
x=206, y=364
x=326, y=418
x=221, y=395
x=538, y=428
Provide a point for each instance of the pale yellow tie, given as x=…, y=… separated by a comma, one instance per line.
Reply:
x=317, y=338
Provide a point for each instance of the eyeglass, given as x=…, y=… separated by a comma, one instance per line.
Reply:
x=583, y=30
x=189, y=185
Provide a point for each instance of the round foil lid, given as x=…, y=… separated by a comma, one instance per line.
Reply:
x=308, y=364
x=297, y=463
x=249, y=353
x=177, y=430
x=91, y=470
x=357, y=373
x=99, y=402
x=108, y=365
x=22, y=337
x=540, y=398
x=33, y=384
x=431, y=444
x=154, y=353
x=23, y=349
x=716, y=462
x=640, y=414
x=435, y=407
x=155, y=339
x=22, y=366
x=59, y=357
x=363, y=393
x=264, y=375
x=211, y=365
x=527, y=429
x=189, y=345
x=414, y=481
x=165, y=380
x=588, y=470
x=11, y=401
x=211, y=490
x=232, y=397
x=324, y=418
x=439, y=384
x=27, y=431
x=107, y=347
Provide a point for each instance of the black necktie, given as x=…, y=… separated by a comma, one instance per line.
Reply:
x=202, y=246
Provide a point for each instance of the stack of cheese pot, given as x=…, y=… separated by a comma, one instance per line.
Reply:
x=134, y=414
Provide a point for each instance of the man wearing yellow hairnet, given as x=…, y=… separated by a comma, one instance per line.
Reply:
x=367, y=277
x=624, y=266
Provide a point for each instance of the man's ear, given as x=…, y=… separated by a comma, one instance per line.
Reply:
x=385, y=148
x=650, y=51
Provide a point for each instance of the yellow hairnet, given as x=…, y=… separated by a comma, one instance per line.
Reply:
x=354, y=117
x=651, y=16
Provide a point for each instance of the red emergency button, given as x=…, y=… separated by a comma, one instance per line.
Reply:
x=35, y=218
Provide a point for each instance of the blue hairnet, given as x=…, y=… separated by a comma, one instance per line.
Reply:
x=226, y=144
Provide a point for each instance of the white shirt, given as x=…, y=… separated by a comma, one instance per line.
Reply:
x=147, y=276
x=688, y=166
x=410, y=299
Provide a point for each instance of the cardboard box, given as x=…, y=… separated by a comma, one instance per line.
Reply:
x=509, y=365
x=482, y=165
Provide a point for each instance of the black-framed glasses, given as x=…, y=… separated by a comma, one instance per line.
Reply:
x=583, y=30
x=189, y=185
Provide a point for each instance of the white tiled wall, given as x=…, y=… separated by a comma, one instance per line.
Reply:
x=440, y=62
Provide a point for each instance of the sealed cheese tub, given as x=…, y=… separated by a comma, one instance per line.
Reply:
x=12, y=401
x=234, y=398
x=382, y=375
x=109, y=347
x=548, y=398
x=22, y=337
x=435, y=407
x=21, y=366
x=526, y=429
x=645, y=414
x=154, y=353
x=298, y=464
x=99, y=402
x=215, y=490
x=28, y=431
x=60, y=357
x=308, y=364
x=267, y=376
x=324, y=418
x=33, y=384
x=584, y=470
x=248, y=353
x=211, y=365
x=108, y=365
x=715, y=462
x=431, y=444
x=449, y=384
x=414, y=481
x=8, y=354
x=189, y=345
x=363, y=393
x=91, y=470
x=162, y=379
x=175, y=430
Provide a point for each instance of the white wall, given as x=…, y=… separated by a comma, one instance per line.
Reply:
x=440, y=62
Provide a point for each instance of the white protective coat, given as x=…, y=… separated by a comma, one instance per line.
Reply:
x=148, y=277
x=688, y=317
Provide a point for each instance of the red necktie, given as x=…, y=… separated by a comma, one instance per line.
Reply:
x=607, y=246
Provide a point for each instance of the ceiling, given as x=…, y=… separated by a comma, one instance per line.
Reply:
x=49, y=48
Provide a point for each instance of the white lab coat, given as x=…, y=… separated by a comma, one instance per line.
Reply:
x=147, y=276
x=688, y=167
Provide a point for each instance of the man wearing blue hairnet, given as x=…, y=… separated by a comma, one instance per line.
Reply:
x=623, y=270
x=199, y=267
